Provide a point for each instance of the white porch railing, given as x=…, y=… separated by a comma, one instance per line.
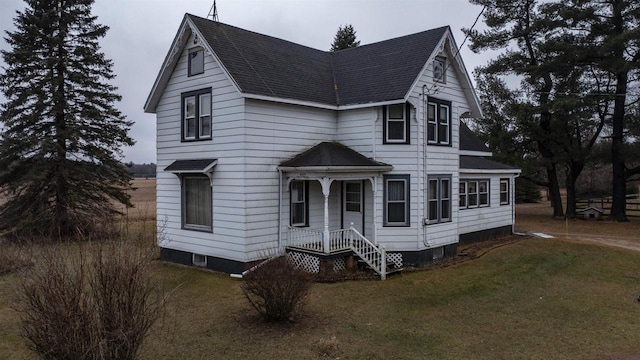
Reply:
x=340, y=240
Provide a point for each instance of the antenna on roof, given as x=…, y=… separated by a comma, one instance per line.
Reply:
x=213, y=12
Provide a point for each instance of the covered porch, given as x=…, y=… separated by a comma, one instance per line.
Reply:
x=330, y=193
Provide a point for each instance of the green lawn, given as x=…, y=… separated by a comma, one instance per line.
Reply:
x=534, y=299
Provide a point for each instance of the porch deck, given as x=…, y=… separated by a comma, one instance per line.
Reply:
x=339, y=241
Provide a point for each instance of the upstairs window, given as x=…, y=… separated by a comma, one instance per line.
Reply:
x=439, y=69
x=439, y=122
x=504, y=191
x=396, y=124
x=196, y=61
x=299, y=206
x=196, y=115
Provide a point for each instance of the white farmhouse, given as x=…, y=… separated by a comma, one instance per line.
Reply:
x=265, y=145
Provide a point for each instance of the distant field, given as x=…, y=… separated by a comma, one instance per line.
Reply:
x=144, y=200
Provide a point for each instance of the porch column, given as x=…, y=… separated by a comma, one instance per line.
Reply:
x=374, y=190
x=326, y=185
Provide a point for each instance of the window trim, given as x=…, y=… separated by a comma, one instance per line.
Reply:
x=439, y=199
x=477, y=194
x=196, y=94
x=189, y=69
x=305, y=201
x=507, y=191
x=406, y=178
x=407, y=125
x=442, y=60
x=183, y=201
x=436, y=121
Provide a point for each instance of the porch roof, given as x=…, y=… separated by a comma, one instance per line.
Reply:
x=333, y=156
x=473, y=163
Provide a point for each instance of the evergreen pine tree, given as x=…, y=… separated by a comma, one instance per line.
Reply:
x=345, y=38
x=62, y=137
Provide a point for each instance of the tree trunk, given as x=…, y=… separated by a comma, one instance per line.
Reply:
x=575, y=169
x=62, y=225
x=619, y=195
x=619, y=204
x=554, y=192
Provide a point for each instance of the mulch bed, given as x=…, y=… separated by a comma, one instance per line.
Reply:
x=466, y=252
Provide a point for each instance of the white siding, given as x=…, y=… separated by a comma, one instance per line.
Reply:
x=274, y=133
x=252, y=137
x=495, y=215
x=228, y=195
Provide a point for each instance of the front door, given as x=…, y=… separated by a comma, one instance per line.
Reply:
x=353, y=205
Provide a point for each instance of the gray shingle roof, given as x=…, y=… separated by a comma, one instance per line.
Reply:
x=469, y=141
x=331, y=154
x=477, y=162
x=264, y=65
x=190, y=165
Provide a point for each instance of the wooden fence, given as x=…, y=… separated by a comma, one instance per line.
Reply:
x=633, y=204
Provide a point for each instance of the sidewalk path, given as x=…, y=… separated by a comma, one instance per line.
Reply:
x=625, y=242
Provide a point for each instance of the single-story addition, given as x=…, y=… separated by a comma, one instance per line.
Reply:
x=266, y=146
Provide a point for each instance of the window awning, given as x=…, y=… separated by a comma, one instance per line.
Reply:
x=192, y=166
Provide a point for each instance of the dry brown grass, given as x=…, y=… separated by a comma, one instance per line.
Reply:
x=143, y=198
x=537, y=218
x=531, y=299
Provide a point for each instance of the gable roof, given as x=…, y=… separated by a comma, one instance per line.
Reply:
x=269, y=66
x=265, y=66
x=331, y=155
x=469, y=141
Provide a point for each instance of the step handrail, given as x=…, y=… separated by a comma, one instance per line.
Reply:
x=374, y=256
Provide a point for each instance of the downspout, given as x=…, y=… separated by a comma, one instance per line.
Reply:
x=279, y=209
x=424, y=167
x=376, y=116
x=512, y=194
x=419, y=181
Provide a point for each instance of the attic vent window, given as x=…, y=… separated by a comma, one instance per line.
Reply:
x=196, y=61
x=438, y=69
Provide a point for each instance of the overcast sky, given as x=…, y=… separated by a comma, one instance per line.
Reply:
x=142, y=30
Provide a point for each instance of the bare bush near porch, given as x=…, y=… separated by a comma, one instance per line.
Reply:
x=97, y=304
x=277, y=289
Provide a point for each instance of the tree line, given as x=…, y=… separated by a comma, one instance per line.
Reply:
x=577, y=68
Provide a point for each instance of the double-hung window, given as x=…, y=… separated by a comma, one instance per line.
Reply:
x=396, y=200
x=473, y=193
x=196, y=61
x=439, y=199
x=299, y=203
x=438, y=122
x=196, y=115
x=396, y=124
x=196, y=202
x=504, y=191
